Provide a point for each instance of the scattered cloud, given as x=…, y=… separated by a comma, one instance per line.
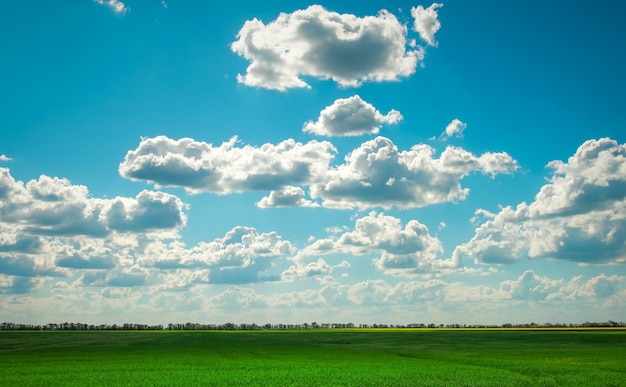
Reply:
x=116, y=5
x=579, y=215
x=454, y=129
x=5, y=158
x=322, y=44
x=18, y=285
x=427, y=22
x=350, y=117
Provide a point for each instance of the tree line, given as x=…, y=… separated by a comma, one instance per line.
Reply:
x=71, y=326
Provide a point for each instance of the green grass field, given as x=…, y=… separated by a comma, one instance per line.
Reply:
x=315, y=358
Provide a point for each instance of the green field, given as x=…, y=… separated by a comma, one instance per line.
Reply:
x=315, y=358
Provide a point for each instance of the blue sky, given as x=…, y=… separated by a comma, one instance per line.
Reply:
x=386, y=162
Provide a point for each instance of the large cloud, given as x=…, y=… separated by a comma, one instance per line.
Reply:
x=401, y=250
x=54, y=206
x=378, y=174
x=580, y=215
x=350, y=117
x=201, y=167
x=326, y=45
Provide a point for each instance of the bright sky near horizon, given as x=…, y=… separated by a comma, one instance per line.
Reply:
x=286, y=162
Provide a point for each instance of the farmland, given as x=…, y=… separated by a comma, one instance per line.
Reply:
x=322, y=358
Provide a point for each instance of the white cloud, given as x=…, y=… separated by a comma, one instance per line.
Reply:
x=326, y=45
x=350, y=117
x=243, y=255
x=532, y=287
x=427, y=22
x=286, y=197
x=579, y=215
x=116, y=5
x=5, y=158
x=379, y=292
x=312, y=269
x=402, y=250
x=54, y=206
x=454, y=129
x=201, y=167
x=378, y=174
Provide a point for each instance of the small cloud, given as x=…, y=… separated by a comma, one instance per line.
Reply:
x=427, y=22
x=454, y=129
x=350, y=117
x=286, y=197
x=116, y=5
x=164, y=4
x=5, y=158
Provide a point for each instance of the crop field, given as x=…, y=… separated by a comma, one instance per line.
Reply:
x=315, y=358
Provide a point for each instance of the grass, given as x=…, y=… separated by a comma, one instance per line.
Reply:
x=315, y=358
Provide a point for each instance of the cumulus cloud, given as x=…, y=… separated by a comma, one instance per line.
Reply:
x=312, y=269
x=116, y=5
x=579, y=215
x=201, y=167
x=350, y=117
x=243, y=255
x=54, y=206
x=322, y=44
x=286, y=197
x=454, y=129
x=5, y=158
x=532, y=287
x=377, y=292
x=401, y=250
x=18, y=285
x=378, y=174
x=427, y=22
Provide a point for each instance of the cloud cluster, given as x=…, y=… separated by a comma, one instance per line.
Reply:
x=350, y=117
x=376, y=174
x=400, y=250
x=322, y=44
x=579, y=215
x=532, y=287
x=241, y=256
x=55, y=207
